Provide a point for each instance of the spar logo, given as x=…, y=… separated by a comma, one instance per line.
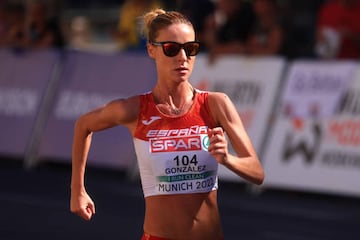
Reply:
x=172, y=144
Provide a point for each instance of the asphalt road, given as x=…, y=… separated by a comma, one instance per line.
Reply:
x=34, y=204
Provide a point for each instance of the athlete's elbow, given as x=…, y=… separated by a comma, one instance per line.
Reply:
x=80, y=125
x=259, y=178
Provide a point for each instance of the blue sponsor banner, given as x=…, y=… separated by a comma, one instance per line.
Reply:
x=90, y=80
x=24, y=77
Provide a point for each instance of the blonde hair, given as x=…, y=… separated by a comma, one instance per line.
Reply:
x=158, y=19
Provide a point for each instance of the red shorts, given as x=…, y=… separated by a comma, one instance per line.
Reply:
x=149, y=237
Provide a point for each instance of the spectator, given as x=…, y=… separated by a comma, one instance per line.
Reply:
x=40, y=30
x=3, y=24
x=267, y=35
x=227, y=30
x=128, y=34
x=190, y=8
x=29, y=27
x=79, y=33
x=298, y=19
x=338, y=30
x=13, y=26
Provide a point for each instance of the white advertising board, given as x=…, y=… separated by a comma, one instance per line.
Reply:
x=318, y=152
x=251, y=83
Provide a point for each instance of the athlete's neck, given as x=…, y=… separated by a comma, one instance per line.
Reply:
x=173, y=101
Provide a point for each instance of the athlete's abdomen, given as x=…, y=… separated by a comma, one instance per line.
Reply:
x=186, y=216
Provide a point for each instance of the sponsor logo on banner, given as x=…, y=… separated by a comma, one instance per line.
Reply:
x=246, y=94
x=314, y=144
x=314, y=89
x=338, y=135
x=18, y=102
x=344, y=132
x=71, y=104
x=306, y=147
x=349, y=104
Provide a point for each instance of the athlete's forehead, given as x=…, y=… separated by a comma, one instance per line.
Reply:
x=178, y=32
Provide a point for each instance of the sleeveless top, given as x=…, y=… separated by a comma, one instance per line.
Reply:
x=172, y=150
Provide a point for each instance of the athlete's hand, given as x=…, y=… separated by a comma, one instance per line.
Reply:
x=82, y=205
x=218, y=146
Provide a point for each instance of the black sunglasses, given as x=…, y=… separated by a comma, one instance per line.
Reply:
x=171, y=49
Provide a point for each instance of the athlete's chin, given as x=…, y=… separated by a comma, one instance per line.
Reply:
x=182, y=78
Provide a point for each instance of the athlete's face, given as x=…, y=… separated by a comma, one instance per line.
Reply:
x=177, y=66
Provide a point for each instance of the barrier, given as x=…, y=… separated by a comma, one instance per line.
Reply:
x=314, y=143
x=305, y=125
x=253, y=92
x=24, y=78
x=90, y=80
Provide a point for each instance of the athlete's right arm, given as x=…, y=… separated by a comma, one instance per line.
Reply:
x=118, y=112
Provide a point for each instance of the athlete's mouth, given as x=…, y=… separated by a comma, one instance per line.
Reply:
x=180, y=69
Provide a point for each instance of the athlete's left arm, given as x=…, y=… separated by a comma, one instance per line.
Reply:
x=246, y=163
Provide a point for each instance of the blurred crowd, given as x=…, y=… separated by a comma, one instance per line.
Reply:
x=28, y=25
x=293, y=29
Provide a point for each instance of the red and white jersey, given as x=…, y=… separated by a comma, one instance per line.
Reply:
x=172, y=150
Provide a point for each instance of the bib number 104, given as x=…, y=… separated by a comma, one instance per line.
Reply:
x=185, y=160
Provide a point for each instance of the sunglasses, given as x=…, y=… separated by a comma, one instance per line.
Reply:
x=171, y=49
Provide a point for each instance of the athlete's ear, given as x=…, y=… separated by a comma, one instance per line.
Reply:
x=150, y=50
